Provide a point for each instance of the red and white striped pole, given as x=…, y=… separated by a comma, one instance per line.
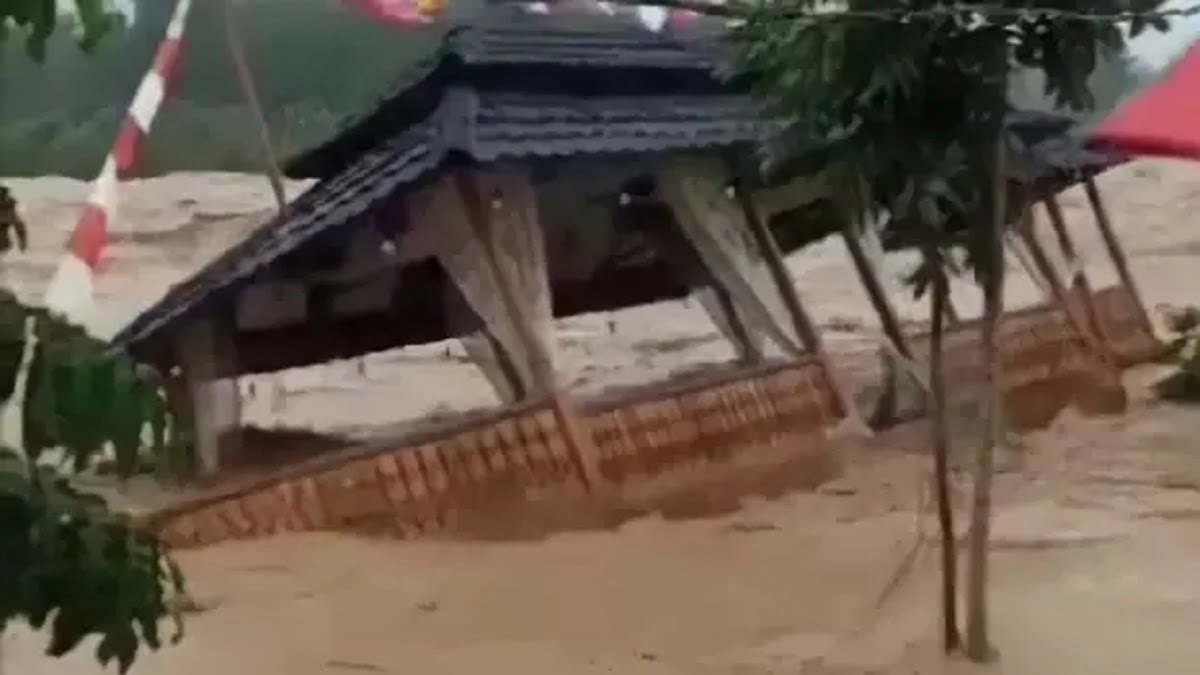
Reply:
x=70, y=293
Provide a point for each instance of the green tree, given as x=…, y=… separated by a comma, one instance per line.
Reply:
x=68, y=564
x=39, y=18
x=903, y=112
x=1116, y=76
x=72, y=101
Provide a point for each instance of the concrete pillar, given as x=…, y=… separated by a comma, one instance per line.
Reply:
x=206, y=351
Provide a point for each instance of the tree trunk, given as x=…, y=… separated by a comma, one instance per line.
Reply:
x=978, y=647
x=950, y=313
x=941, y=461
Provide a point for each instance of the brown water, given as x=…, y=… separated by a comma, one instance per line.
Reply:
x=1096, y=539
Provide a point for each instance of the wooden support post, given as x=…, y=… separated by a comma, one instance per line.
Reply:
x=578, y=439
x=802, y=322
x=1059, y=292
x=504, y=364
x=748, y=351
x=1081, y=286
x=488, y=352
x=1115, y=251
x=885, y=412
x=672, y=245
x=875, y=291
x=1016, y=245
x=206, y=353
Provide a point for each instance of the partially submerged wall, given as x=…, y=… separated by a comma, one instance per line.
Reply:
x=1125, y=327
x=431, y=484
x=1047, y=365
x=447, y=482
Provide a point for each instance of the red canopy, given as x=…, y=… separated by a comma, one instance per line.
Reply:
x=1164, y=118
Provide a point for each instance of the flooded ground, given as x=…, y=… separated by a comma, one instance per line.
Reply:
x=1097, y=531
x=1096, y=538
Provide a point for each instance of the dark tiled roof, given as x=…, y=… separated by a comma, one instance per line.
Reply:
x=1052, y=152
x=468, y=124
x=509, y=34
x=513, y=86
x=509, y=50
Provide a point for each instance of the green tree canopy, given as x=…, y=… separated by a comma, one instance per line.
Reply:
x=39, y=18
x=901, y=116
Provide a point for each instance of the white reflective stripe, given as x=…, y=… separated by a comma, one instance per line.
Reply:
x=146, y=102
x=652, y=17
x=70, y=291
x=178, y=20
x=104, y=188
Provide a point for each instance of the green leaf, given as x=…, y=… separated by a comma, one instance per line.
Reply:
x=67, y=630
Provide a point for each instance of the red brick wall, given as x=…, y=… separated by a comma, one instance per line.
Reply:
x=1046, y=366
x=520, y=456
x=1124, y=328
x=426, y=488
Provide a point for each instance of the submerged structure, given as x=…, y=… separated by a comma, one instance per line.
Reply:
x=535, y=167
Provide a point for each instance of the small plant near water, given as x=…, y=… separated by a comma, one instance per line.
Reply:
x=1183, y=384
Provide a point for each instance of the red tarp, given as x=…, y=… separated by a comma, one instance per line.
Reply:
x=1164, y=118
x=399, y=12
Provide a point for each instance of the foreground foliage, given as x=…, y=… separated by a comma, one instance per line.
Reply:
x=68, y=564
x=78, y=396
x=72, y=102
x=38, y=19
x=900, y=118
x=1183, y=385
x=904, y=120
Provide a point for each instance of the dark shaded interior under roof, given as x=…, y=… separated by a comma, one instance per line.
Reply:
x=551, y=93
